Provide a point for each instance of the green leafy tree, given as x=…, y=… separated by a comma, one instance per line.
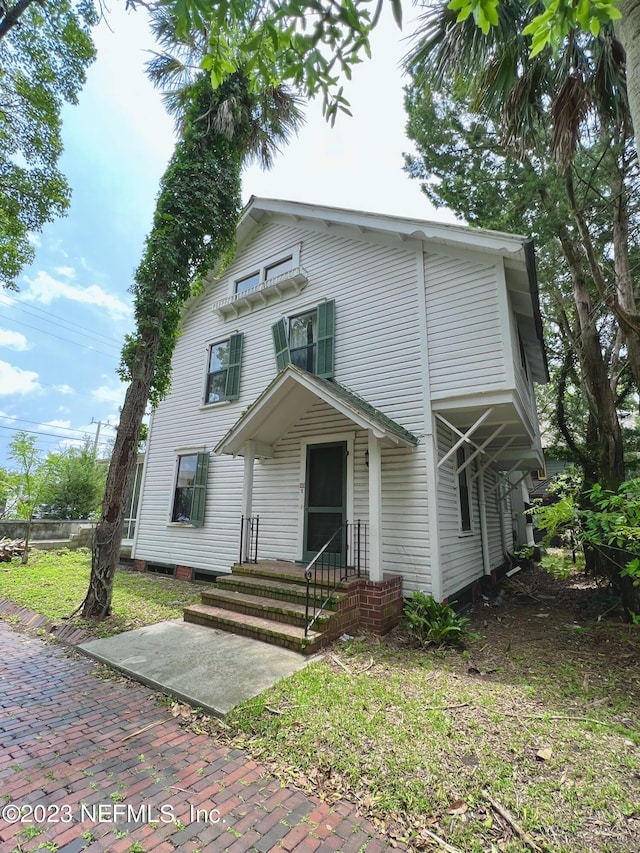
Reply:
x=75, y=486
x=45, y=49
x=30, y=480
x=287, y=39
x=492, y=165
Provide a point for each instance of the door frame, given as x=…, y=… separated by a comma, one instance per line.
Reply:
x=324, y=438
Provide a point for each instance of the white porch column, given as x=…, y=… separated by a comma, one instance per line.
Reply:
x=247, y=494
x=375, y=509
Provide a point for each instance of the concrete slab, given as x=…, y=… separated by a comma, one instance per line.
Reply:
x=207, y=668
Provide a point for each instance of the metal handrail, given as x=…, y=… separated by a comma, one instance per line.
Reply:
x=320, y=572
x=249, y=527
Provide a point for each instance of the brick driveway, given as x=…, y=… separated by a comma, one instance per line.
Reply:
x=70, y=752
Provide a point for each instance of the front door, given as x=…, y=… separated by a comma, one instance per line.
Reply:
x=325, y=498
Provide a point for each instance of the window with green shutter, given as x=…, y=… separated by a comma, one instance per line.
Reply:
x=190, y=493
x=307, y=340
x=223, y=375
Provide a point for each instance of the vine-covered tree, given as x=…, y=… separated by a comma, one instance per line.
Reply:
x=45, y=49
x=193, y=231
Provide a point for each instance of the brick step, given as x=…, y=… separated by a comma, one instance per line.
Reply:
x=259, y=605
x=277, y=633
x=279, y=589
x=279, y=570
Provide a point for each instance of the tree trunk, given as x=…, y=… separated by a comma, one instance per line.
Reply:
x=13, y=16
x=107, y=536
x=628, y=32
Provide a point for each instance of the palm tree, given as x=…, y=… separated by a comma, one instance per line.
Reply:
x=193, y=229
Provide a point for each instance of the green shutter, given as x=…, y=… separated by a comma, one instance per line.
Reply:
x=232, y=384
x=200, y=490
x=326, y=334
x=281, y=344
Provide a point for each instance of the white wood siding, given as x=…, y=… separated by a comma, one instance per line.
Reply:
x=460, y=554
x=377, y=355
x=465, y=338
x=494, y=519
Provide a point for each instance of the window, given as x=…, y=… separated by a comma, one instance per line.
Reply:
x=133, y=500
x=271, y=268
x=223, y=373
x=247, y=282
x=307, y=340
x=303, y=331
x=280, y=267
x=464, y=490
x=190, y=492
x=523, y=356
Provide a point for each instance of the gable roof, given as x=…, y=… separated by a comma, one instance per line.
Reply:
x=517, y=252
x=291, y=394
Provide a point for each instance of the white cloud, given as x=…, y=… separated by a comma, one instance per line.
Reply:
x=110, y=394
x=13, y=340
x=14, y=380
x=67, y=272
x=56, y=423
x=64, y=389
x=45, y=288
x=34, y=239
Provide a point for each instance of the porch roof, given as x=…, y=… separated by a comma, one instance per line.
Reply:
x=292, y=393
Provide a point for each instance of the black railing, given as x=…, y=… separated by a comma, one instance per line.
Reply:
x=249, y=539
x=342, y=556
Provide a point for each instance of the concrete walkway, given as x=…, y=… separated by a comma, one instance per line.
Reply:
x=207, y=668
x=97, y=764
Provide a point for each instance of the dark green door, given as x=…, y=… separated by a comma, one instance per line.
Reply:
x=325, y=497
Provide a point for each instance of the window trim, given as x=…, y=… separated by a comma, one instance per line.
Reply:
x=324, y=343
x=201, y=473
x=232, y=385
x=293, y=253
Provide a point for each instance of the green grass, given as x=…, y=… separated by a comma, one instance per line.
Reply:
x=412, y=734
x=54, y=583
x=418, y=736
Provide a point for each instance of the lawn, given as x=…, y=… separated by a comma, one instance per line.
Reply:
x=54, y=583
x=526, y=739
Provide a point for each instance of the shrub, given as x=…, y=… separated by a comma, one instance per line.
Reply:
x=433, y=623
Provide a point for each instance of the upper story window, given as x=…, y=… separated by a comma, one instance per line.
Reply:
x=271, y=268
x=523, y=356
x=223, y=371
x=247, y=282
x=189, y=496
x=303, y=332
x=307, y=340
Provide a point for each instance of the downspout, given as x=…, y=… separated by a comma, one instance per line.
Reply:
x=484, y=533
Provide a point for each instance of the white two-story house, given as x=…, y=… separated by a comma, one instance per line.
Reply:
x=350, y=367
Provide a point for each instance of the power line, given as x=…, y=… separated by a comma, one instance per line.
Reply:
x=16, y=303
x=66, y=340
x=53, y=434
x=43, y=423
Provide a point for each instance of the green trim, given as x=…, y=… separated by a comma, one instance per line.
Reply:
x=232, y=383
x=325, y=339
x=281, y=344
x=199, y=500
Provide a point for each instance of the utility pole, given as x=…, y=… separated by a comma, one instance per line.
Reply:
x=99, y=425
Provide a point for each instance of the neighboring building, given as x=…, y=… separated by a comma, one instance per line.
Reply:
x=350, y=366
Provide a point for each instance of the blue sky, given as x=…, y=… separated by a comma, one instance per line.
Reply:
x=61, y=335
